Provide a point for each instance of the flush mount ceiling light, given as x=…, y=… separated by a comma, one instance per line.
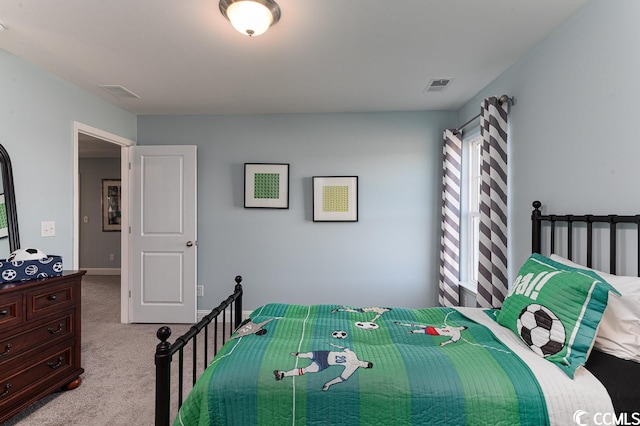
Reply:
x=250, y=17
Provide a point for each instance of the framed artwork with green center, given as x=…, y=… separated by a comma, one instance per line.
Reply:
x=4, y=223
x=266, y=185
x=335, y=198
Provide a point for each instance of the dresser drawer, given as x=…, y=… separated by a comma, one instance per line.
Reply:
x=11, y=312
x=40, y=340
x=47, y=333
x=37, y=373
x=47, y=299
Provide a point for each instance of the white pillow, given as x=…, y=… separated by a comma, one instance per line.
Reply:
x=619, y=332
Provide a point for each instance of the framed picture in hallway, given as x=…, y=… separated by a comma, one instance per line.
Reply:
x=266, y=185
x=111, y=202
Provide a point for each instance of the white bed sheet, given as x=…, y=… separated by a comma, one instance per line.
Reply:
x=565, y=397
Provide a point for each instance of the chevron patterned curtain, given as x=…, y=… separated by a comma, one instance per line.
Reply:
x=450, y=238
x=492, y=268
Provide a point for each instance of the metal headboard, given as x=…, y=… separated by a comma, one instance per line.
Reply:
x=537, y=219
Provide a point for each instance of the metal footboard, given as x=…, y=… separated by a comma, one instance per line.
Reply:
x=165, y=351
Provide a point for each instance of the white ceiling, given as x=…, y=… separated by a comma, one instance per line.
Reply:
x=184, y=57
x=92, y=147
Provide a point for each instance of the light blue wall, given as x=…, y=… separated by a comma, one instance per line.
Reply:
x=572, y=143
x=570, y=147
x=37, y=111
x=388, y=258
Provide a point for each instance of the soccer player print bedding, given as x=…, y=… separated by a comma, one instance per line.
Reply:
x=327, y=364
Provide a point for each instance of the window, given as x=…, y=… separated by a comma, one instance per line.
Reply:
x=470, y=220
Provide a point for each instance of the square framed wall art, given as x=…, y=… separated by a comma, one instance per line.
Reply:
x=335, y=198
x=266, y=185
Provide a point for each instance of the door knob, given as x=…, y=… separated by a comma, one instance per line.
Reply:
x=189, y=243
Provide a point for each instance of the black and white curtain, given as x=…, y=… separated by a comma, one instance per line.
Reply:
x=450, y=237
x=492, y=273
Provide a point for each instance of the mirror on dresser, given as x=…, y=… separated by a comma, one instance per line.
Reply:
x=9, y=235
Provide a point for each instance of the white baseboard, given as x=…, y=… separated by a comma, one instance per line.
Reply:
x=102, y=271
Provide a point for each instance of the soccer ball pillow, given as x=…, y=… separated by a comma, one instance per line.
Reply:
x=556, y=309
x=26, y=254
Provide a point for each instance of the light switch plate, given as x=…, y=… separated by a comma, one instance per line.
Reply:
x=48, y=229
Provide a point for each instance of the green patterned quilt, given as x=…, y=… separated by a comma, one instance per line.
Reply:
x=331, y=365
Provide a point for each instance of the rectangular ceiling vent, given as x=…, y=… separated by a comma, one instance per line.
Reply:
x=438, y=85
x=119, y=91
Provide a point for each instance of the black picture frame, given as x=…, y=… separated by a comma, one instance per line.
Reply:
x=111, y=205
x=335, y=198
x=266, y=185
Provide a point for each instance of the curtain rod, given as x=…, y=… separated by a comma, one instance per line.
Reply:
x=502, y=99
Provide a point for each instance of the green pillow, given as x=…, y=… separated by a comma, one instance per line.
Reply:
x=556, y=310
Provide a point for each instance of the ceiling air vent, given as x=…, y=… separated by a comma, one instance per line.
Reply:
x=438, y=85
x=119, y=91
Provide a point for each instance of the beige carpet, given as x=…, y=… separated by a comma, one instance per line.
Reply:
x=118, y=386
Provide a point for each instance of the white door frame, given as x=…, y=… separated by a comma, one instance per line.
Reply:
x=124, y=238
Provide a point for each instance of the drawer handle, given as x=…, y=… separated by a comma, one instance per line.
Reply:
x=4, y=312
x=60, y=328
x=6, y=390
x=57, y=364
x=6, y=349
x=53, y=297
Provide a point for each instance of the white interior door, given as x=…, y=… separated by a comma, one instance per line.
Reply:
x=163, y=234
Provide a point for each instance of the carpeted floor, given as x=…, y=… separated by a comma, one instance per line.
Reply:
x=118, y=386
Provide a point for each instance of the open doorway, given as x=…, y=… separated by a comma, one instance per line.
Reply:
x=100, y=201
x=100, y=243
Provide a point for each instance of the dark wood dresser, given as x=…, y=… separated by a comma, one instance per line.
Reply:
x=39, y=340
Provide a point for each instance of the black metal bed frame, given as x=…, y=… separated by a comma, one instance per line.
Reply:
x=165, y=351
x=537, y=219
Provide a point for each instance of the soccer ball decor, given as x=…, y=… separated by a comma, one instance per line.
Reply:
x=366, y=325
x=29, y=264
x=26, y=254
x=339, y=334
x=541, y=330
